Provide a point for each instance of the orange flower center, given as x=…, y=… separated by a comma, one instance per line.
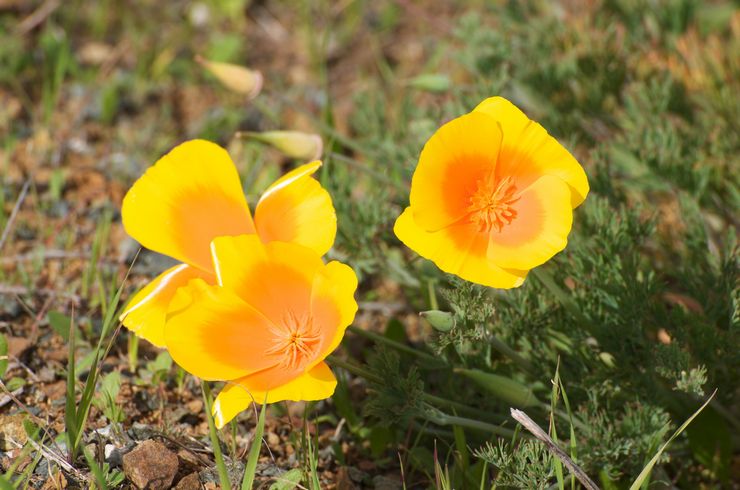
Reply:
x=492, y=203
x=296, y=341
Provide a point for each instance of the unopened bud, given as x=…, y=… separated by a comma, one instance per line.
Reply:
x=295, y=144
x=234, y=77
x=440, y=320
x=432, y=82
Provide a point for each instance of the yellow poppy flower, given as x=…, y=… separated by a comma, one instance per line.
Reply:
x=492, y=196
x=266, y=327
x=193, y=195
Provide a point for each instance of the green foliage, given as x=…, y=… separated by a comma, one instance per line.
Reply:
x=397, y=398
x=524, y=465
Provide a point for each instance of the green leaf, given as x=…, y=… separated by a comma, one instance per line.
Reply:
x=709, y=440
x=288, y=481
x=5, y=484
x=3, y=354
x=59, y=322
x=254, y=451
x=644, y=476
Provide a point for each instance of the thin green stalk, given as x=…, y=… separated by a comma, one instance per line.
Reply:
x=504, y=349
x=254, y=452
x=546, y=279
x=223, y=475
x=395, y=345
x=445, y=419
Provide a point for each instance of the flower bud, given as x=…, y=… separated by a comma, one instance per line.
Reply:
x=295, y=144
x=440, y=320
x=432, y=82
x=234, y=77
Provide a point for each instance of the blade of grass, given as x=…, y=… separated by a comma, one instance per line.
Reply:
x=70, y=408
x=254, y=451
x=223, y=474
x=95, y=469
x=554, y=396
x=644, y=477
x=83, y=409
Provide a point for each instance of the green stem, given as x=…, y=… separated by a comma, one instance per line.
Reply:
x=510, y=353
x=546, y=279
x=431, y=399
x=395, y=345
x=223, y=475
x=473, y=424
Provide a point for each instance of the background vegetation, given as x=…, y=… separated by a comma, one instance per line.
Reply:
x=609, y=347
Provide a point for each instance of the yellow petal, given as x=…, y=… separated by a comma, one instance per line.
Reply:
x=528, y=151
x=458, y=249
x=297, y=209
x=272, y=277
x=317, y=384
x=540, y=229
x=295, y=144
x=234, y=77
x=215, y=335
x=333, y=300
x=145, y=313
x=189, y=197
x=455, y=158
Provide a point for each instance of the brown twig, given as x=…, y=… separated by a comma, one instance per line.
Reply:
x=540, y=434
x=14, y=213
x=37, y=17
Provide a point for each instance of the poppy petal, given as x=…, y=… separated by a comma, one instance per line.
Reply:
x=458, y=249
x=297, y=209
x=540, y=229
x=273, y=278
x=333, y=302
x=215, y=335
x=145, y=313
x=528, y=151
x=316, y=384
x=190, y=196
x=453, y=161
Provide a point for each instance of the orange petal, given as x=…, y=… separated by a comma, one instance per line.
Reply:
x=190, y=196
x=540, y=229
x=274, y=278
x=333, y=301
x=316, y=384
x=145, y=313
x=215, y=335
x=297, y=209
x=528, y=151
x=458, y=249
x=455, y=158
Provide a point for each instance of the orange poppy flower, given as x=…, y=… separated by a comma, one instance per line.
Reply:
x=193, y=195
x=268, y=325
x=492, y=196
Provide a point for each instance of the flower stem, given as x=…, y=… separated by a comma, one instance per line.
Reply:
x=510, y=353
x=393, y=344
x=431, y=399
x=223, y=475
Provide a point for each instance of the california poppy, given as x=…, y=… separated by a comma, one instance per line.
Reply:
x=193, y=195
x=266, y=327
x=492, y=196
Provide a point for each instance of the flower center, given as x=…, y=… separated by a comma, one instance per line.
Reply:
x=492, y=203
x=296, y=341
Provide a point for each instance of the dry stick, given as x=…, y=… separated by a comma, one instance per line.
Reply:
x=540, y=434
x=14, y=213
